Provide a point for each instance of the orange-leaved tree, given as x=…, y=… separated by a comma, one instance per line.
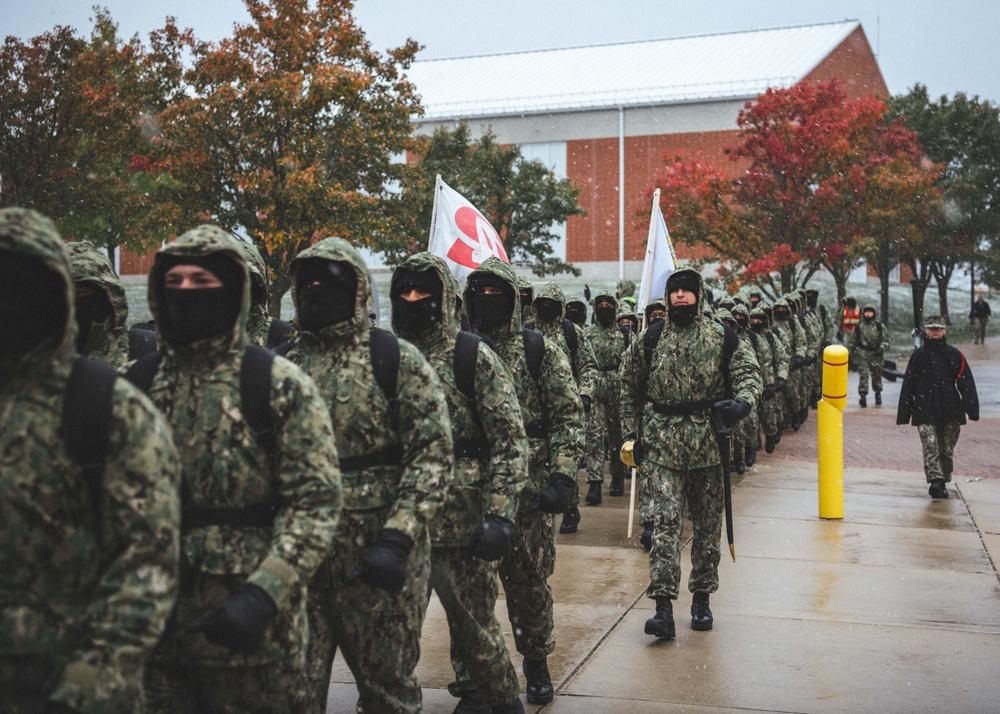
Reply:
x=291, y=130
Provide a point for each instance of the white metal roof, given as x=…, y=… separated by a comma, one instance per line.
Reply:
x=686, y=69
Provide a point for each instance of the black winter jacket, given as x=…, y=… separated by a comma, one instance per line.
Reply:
x=938, y=387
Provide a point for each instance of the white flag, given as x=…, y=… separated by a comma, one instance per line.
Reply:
x=660, y=261
x=460, y=233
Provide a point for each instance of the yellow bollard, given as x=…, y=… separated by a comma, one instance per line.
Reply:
x=830, y=426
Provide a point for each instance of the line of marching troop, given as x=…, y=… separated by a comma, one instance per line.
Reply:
x=206, y=533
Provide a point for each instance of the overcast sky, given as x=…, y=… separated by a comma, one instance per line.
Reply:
x=948, y=45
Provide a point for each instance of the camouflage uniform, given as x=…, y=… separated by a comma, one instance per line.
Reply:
x=582, y=361
x=608, y=345
x=553, y=419
x=491, y=467
x=773, y=361
x=88, y=571
x=225, y=465
x=527, y=309
x=396, y=459
x=826, y=319
x=746, y=434
x=793, y=338
x=814, y=339
x=107, y=340
x=681, y=456
x=869, y=342
x=260, y=321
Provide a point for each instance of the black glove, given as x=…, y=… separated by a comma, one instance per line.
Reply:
x=840, y=335
x=770, y=392
x=811, y=360
x=732, y=410
x=384, y=565
x=585, y=398
x=554, y=498
x=879, y=353
x=798, y=361
x=781, y=384
x=491, y=539
x=239, y=621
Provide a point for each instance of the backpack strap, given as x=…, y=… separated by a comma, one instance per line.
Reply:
x=255, y=395
x=141, y=339
x=142, y=371
x=385, y=361
x=277, y=333
x=650, y=340
x=569, y=332
x=730, y=341
x=466, y=354
x=86, y=416
x=534, y=352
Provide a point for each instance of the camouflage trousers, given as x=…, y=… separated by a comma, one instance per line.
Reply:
x=700, y=492
x=377, y=632
x=979, y=326
x=525, y=572
x=745, y=435
x=27, y=680
x=771, y=414
x=938, y=442
x=793, y=390
x=604, y=437
x=869, y=364
x=174, y=687
x=468, y=589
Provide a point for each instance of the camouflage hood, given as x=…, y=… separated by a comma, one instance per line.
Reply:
x=781, y=302
x=423, y=262
x=761, y=314
x=258, y=277
x=551, y=291
x=29, y=233
x=495, y=266
x=871, y=307
x=89, y=264
x=339, y=250
x=200, y=242
x=701, y=289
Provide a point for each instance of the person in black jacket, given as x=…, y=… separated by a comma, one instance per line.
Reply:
x=979, y=316
x=937, y=394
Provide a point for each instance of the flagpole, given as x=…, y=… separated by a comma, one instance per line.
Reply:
x=647, y=266
x=434, y=210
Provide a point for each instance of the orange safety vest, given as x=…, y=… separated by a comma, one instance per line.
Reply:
x=850, y=319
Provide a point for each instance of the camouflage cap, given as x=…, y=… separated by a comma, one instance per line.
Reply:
x=936, y=321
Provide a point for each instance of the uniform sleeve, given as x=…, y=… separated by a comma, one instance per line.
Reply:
x=309, y=484
x=801, y=338
x=966, y=385
x=563, y=411
x=140, y=524
x=904, y=410
x=425, y=437
x=500, y=417
x=780, y=358
x=633, y=385
x=886, y=341
x=744, y=374
x=586, y=363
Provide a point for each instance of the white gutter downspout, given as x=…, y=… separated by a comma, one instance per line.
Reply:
x=621, y=193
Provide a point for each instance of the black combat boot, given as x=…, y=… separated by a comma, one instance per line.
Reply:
x=803, y=415
x=739, y=467
x=617, y=487
x=471, y=704
x=750, y=457
x=662, y=623
x=862, y=402
x=571, y=519
x=701, y=615
x=647, y=537
x=770, y=442
x=594, y=494
x=539, y=683
x=878, y=399
x=938, y=489
x=515, y=707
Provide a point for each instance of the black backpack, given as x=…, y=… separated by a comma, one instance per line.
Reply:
x=572, y=342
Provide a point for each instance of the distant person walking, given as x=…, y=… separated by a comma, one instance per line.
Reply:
x=979, y=316
x=937, y=394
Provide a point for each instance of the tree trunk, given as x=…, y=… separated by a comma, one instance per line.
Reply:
x=918, y=284
x=942, y=275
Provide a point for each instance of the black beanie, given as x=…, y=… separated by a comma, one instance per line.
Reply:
x=684, y=280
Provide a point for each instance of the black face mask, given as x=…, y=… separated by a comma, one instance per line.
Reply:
x=546, y=309
x=576, y=315
x=490, y=311
x=758, y=327
x=525, y=298
x=741, y=324
x=417, y=316
x=682, y=315
x=192, y=315
x=781, y=315
x=33, y=309
x=811, y=300
x=323, y=304
x=605, y=315
x=93, y=309
x=754, y=300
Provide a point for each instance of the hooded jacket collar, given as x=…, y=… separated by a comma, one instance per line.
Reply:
x=357, y=329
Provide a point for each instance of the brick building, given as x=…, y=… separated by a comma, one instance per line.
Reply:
x=604, y=115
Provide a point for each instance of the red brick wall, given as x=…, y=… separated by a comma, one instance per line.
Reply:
x=131, y=264
x=593, y=165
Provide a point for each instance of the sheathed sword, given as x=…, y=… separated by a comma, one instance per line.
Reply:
x=722, y=437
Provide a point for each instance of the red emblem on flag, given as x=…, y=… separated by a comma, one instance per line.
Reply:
x=477, y=241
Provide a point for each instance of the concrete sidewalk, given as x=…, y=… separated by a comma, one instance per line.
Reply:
x=895, y=608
